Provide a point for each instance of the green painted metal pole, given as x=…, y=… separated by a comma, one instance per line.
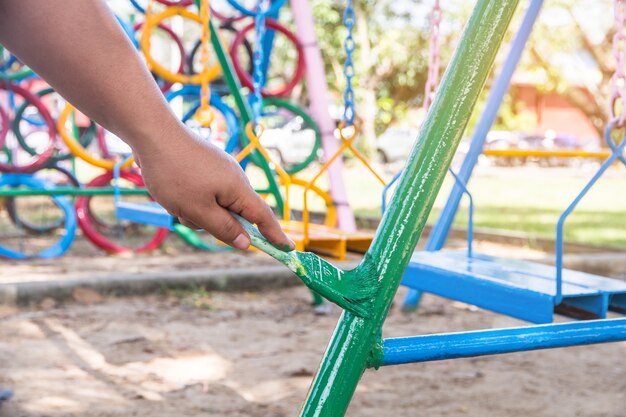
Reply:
x=70, y=191
x=245, y=113
x=356, y=341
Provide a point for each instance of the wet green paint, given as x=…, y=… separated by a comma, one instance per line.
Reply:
x=351, y=290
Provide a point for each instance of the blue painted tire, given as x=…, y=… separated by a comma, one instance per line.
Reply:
x=129, y=30
x=216, y=102
x=70, y=224
x=272, y=11
x=138, y=6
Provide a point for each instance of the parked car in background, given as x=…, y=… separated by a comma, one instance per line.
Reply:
x=289, y=141
x=396, y=143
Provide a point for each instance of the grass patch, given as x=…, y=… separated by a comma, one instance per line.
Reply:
x=530, y=201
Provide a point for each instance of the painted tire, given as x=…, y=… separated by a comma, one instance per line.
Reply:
x=159, y=69
x=179, y=3
x=227, y=19
x=283, y=104
x=218, y=104
x=164, y=85
x=42, y=158
x=64, y=243
x=18, y=75
x=219, y=85
x=27, y=84
x=246, y=78
x=272, y=10
x=91, y=232
x=141, y=9
x=33, y=228
x=4, y=126
x=128, y=28
x=85, y=139
x=77, y=149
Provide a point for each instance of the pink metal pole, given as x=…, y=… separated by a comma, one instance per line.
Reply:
x=318, y=94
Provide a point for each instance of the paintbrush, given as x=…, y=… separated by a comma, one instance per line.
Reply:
x=351, y=290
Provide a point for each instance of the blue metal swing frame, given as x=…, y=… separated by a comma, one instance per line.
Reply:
x=448, y=273
x=524, y=290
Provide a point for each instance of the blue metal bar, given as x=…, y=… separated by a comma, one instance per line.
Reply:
x=268, y=42
x=617, y=154
x=496, y=341
x=386, y=188
x=441, y=229
x=470, y=220
x=116, y=178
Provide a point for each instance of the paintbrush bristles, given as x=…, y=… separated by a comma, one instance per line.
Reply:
x=351, y=290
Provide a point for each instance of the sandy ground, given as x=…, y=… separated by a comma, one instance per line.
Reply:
x=253, y=355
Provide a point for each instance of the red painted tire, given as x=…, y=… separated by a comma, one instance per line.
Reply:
x=4, y=126
x=246, y=79
x=90, y=231
x=225, y=18
x=179, y=3
x=37, y=161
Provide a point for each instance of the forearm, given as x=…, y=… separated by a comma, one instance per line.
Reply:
x=79, y=48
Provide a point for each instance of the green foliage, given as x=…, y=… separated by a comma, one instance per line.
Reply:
x=391, y=56
x=391, y=59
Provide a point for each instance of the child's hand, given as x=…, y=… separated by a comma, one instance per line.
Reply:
x=199, y=184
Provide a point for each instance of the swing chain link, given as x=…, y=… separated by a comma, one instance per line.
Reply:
x=349, y=20
x=258, y=79
x=434, y=56
x=617, y=109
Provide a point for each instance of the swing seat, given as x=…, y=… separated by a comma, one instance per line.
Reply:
x=149, y=213
x=326, y=240
x=520, y=289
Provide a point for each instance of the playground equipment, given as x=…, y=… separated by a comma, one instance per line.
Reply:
x=521, y=289
x=204, y=111
x=320, y=238
x=357, y=343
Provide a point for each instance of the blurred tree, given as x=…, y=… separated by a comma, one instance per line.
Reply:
x=390, y=60
x=569, y=53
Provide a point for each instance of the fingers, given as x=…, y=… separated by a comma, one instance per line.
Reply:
x=255, y=210
x=188, y=223
x=221, y=224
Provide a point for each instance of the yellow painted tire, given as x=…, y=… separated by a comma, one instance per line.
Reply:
x=77, y=149
x=153, y=21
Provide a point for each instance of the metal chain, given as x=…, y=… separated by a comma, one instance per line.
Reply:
x=205, y=112
x=617, y=108
x=258, y=77
x=349, y=44
x=434, y=56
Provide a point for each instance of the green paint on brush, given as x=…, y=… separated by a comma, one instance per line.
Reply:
x=351, y=290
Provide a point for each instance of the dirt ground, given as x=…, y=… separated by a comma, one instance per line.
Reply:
x=254, y=354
